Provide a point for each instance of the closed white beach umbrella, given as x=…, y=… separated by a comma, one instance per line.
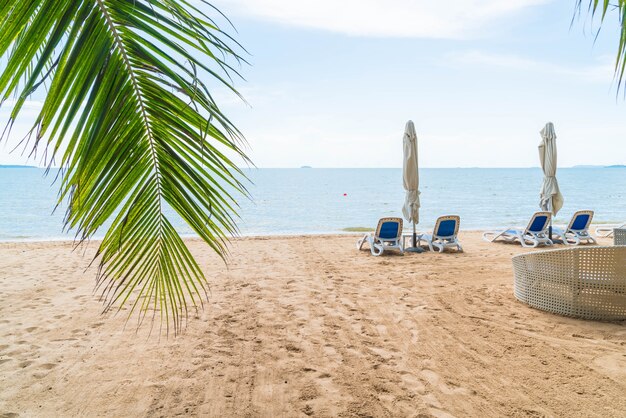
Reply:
x=551, y=198
x=410, y=174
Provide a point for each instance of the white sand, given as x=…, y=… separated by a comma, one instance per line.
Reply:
x=305, y=326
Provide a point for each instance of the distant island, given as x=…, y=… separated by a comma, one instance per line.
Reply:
x=17, y=166
x=306, y=166
x=600, y=166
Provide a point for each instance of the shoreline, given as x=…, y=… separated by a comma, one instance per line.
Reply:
x=277, y=235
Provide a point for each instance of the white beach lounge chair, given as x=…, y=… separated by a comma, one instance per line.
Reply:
x=444, y=234
x=578, y=229
x=388, y=235
x=536, y=232
x=606, y=231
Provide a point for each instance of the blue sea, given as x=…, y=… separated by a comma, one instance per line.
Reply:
x=315, y=201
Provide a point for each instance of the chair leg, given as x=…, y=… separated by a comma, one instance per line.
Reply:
x=376, y=249
x=587, y=238
x=522, y=239
x=359, y=243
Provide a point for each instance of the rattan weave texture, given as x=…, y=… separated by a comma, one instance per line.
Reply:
x=619, y=236
x=583, y=282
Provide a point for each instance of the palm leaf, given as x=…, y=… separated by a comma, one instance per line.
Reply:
x=128, y=98
x=596, y=7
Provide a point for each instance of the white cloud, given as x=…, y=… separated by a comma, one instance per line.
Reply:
x=27, y=105
x=601, y=71
x=451, y=19
x=252, y=95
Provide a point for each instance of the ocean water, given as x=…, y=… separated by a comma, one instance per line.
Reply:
x=314, y=201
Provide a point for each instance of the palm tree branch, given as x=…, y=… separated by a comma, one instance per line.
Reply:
x=128, y=101
x=619, y=6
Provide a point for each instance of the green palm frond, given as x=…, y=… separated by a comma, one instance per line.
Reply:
x=128, y=97
x=603, y=8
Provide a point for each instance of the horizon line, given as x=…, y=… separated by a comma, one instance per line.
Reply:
x=588, y=166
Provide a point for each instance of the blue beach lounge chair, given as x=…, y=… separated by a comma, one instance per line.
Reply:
x=388, y=235
x=444, y=234
x=536, y=232
x=577, y=230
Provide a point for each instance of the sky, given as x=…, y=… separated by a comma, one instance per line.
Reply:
x=331, y=83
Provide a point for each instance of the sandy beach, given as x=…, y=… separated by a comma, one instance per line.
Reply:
x=305, y=326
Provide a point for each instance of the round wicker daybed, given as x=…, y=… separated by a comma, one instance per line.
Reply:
x=583, y=282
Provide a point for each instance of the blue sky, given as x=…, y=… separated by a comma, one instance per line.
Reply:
x=332, y=83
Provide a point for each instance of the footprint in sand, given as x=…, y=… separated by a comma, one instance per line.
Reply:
x=64, y=339
x=309, y=392
x=612, y=364
x=383, y=355
x=292, y=348
x=412, y=383
x=25, y=364
x=448, y=388
x=48, y=366
x=31, y=329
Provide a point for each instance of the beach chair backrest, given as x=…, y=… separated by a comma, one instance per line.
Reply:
x=447, y=226
x=580, y=221
x=389, y=228
x=539, y=222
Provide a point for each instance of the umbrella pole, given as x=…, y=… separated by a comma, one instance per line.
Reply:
x=551, y=208
x=414, y=248
x=550, y=230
